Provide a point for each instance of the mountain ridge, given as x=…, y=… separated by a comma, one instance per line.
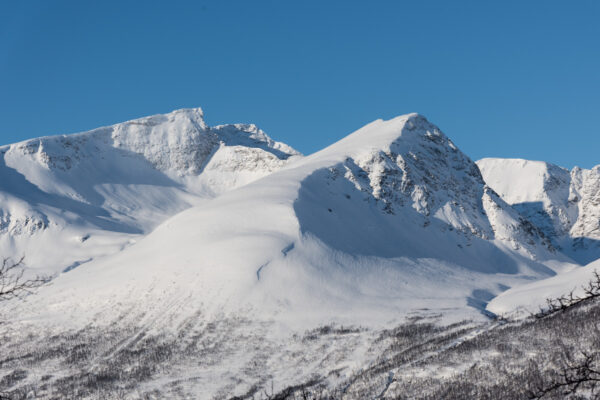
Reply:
x=403, y=178
x=247, y=258
x=118, y=182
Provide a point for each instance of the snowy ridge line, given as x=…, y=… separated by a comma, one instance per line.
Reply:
x=114, y=184
x=180, y=221
x=359, y=216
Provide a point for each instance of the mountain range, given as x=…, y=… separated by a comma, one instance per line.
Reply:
x=166, y=227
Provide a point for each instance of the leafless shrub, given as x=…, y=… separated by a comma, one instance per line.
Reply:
x=13, y=282
x=574, y=377
x=562, y=303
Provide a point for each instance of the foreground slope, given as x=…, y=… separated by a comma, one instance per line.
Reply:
x=67, y=199
x=532, y=297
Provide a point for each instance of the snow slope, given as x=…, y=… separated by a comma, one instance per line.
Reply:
x=530, y=298
x=391, y=219
x=241, y=246
x=563, y=204
x=67, y=199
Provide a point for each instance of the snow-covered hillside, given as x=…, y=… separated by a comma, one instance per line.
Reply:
x=67, y=199
x=531, y=298
x=188, y=246
x=563, y=204
x=391, y=219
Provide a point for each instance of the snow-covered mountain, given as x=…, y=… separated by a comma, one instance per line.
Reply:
x=381, y=220
x=68, y=199
x=166, y=228
x=563, y=204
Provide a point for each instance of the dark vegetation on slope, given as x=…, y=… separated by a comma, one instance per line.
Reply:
x=13, y=284
x=553, y=357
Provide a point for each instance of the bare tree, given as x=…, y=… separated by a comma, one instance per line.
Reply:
x=573, y=378
x=562, y=303
x=13, y=282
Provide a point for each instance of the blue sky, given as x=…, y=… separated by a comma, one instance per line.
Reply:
x=501, y=78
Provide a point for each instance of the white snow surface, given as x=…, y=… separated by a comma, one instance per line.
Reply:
x=391, y=219
x=531, y=298
x=163, y=222
x=563, y=204
x=67, y=199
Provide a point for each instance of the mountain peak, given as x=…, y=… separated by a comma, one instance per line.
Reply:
x=190, y=118
x=390, y=223
x=179, y=141
x=121, y=180
x=380, y=135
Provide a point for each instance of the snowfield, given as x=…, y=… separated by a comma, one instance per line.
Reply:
x=212, y=262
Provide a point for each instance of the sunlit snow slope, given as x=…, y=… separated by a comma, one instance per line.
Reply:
x=531, y=298
x=390, y=220
x=68, y=199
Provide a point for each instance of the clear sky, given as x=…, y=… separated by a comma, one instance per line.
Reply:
x=501, y=78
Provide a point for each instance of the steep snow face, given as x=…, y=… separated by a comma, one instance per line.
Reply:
x=425, y=171
x=563, y=204
x=70, y=198
x=178, y=142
